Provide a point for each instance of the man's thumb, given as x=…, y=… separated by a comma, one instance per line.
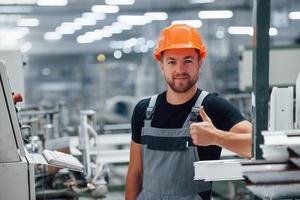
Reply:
x=203, y=114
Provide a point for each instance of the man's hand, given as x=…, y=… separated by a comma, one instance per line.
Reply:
x=203, y=133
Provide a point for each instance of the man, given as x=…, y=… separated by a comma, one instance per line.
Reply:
x=172, y=130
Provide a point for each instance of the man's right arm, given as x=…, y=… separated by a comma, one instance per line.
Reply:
x=134, y=177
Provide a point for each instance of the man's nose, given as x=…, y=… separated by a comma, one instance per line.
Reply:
x=180, y=67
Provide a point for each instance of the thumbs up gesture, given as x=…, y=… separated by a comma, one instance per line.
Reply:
x=203, y=133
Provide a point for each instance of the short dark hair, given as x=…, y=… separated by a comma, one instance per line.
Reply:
x=197, y=51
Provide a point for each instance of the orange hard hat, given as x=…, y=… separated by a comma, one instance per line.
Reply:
x=179, y=36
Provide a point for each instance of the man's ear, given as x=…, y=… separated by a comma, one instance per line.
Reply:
x=200, y=65
x=161, y=67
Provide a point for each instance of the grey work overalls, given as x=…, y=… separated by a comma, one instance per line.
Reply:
x=168, y=156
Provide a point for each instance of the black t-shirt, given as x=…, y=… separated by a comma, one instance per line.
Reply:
x=222, y=113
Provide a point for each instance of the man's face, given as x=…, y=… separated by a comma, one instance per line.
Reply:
x=180, y=68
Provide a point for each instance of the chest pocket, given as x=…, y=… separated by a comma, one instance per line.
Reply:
x=167, y=143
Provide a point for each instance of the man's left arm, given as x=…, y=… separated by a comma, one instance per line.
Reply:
x=238, y=139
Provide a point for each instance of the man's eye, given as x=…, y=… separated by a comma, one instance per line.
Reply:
x=171, y=62
x=188, y=61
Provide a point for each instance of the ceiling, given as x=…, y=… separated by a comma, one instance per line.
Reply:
x=51, y=17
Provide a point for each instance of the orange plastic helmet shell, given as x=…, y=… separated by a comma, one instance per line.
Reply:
x=179, y=36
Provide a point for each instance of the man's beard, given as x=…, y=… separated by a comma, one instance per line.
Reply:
x=182, y=87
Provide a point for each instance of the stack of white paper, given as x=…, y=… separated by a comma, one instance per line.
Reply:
x=62, y=160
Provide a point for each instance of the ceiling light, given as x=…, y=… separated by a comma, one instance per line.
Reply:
x=150, y=44
x=127, y=50
x=113, y=29
x=103, y=33
x=52, y=2
x=294, y=15
x=144, y=48
x=117, y=54
x=84, y=40
x=140, y=41
x=130, y=43
x=85, y=21
x=134, y=20
x=240, y=30
x=193, y=23
x=201, y=1
x=17, y=2
x=64, y=30
x=71, y=25
x=52, y=36
x=157, y=15
x=28, y=22
x=215, y=14
x=122, y=26
x=105, y=9
x=96, y=16
x=119, y=2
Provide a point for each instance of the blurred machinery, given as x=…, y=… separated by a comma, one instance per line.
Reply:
x=278, y=175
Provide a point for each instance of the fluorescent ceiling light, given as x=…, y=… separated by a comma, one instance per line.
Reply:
x=201, y=1
x=130, y=43
x=113, y=29
x=64, y=31
x=119, y=2
x=294, y=15
x=240, y=30
x=71, y=25
x=85, y=21
x=28, y=22
x=150, y=44
x=144, y=48
x=17, y=2
x=157, y=15
x=52, y=36
x=96, y=16
x=83, y=39
x=134, y=20
x=126, y=50
x=215, y=14
x=52, y=2
x=103, y=33
x=194, y=23
x=248, y=30
x=93, y=35
x=122, y=26
x=105, y=9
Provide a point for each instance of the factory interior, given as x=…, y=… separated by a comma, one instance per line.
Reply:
x=72, y=72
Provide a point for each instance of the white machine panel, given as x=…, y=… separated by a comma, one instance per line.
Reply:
x=14, y=64
x=284, y=67
x=16, y=181
x=281, y=109
x=297, y=124
x=8, y=146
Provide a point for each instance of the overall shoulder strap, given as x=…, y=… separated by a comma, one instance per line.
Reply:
x=195, y=109
x=150, y=108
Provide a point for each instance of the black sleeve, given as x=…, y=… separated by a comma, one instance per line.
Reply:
x=137, y=119
x=223, y=114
